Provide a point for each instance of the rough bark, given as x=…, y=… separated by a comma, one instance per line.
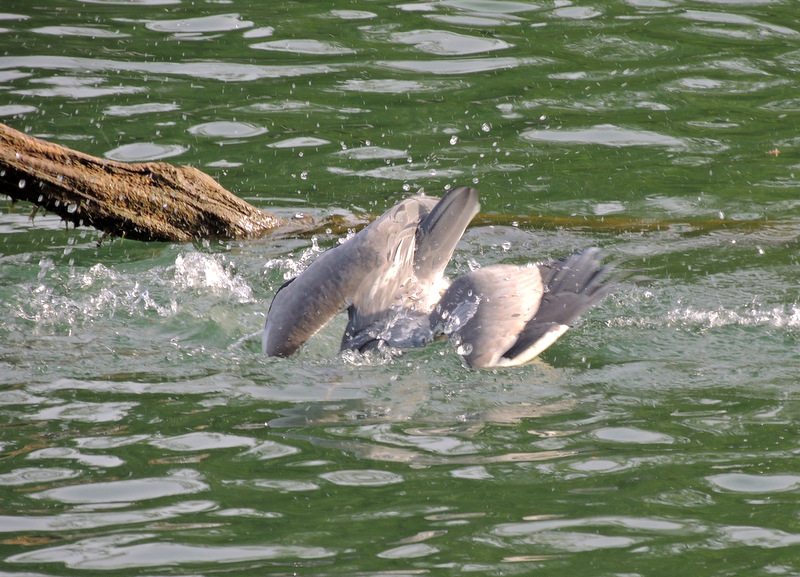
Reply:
x=144, y=201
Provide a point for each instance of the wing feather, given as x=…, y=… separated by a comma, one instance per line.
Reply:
x=484, y=311
x=574, y=285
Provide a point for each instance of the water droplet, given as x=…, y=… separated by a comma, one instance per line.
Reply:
x=71, y=208
x=453, y=140
x=304, y=175
x=22, y=183
x=485, y=127
x=464, y=349
x=506, y=246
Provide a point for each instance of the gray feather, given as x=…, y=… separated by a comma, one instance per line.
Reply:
x=439, y=233
x=485, y=310
x=572, y=286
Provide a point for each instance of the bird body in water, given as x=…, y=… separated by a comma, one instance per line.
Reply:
x=390, y=279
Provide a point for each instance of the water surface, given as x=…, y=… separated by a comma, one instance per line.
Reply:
x=145, y=434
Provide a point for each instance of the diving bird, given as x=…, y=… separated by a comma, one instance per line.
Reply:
x=390, y=279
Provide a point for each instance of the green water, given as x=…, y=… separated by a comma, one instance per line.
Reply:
x=143, y=433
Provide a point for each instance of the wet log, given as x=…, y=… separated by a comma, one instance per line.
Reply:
x=151, y=201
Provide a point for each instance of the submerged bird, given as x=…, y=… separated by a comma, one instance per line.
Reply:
x=390, y=279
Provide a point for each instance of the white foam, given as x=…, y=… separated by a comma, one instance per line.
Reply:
x=198, y=270
x=777, y=317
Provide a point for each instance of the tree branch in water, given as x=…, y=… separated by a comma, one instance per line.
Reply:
x=144, y=201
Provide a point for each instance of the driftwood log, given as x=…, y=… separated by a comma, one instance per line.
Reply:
x=143, y=201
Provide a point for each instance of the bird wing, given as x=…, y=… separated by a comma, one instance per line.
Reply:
x=309, y=301
x=439, y=233
x=419, y=236
x=484, y=311
x=573, y=286
x=366, y=273
x=383, y=260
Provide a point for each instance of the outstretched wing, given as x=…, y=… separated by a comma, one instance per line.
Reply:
x=439, y=233
x=309, y=301
x=484, y=311
x=573, y=286
x=365, y=273
x=417, y=238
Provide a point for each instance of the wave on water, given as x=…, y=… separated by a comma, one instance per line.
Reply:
x=84, y=295
x=692, y=318
x=202, y=271
x=780, y=317
x=294, y=266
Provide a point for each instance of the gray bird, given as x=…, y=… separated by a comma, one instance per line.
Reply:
x=390, y=279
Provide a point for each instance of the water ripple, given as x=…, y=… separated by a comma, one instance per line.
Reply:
x=94, y=519
x=212, y=70
x=88, y=31
x=390, y=86
x=114, y=552
x=505, y=7
x=16, y=109
x=300, y=46
x=744, y=483
x=756, y=537
x=146, y=108
x=604, y=134
x=457, y=66
x=353, y=14
x=413, y=551
x=552, y=534
x=184, y=482
x=372, y=152
x=362, y=478
x=85, y=87
x=36, y=475
x=765, y=29
x=72, y=454
x=227, y=129
x=85, y=412
x=577, y=12
x=271, y=450
x=214, y=23
x=299, y=142
x=632, y=435
x=447, y=43
x=202, y=441
x=145, y=151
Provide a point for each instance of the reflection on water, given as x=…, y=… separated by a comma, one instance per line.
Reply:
x=144, y=433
